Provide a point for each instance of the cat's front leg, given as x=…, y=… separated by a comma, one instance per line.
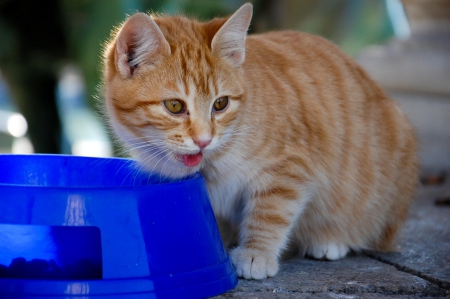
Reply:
x=264, y=232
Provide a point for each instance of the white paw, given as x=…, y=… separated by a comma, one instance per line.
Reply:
x=330, y=251
x=253, y=264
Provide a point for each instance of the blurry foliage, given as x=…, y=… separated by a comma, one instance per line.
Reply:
x=352, y=24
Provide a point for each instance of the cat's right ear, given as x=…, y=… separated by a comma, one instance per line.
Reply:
x=139, y=41
x=229, y=41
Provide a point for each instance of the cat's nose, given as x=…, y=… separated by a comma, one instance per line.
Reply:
x=202, y=142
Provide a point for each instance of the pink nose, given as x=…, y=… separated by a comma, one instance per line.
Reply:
x=202, y=143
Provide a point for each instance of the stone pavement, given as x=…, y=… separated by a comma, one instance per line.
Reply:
x=421, y=267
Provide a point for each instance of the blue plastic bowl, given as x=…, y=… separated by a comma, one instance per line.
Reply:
x=99, y=227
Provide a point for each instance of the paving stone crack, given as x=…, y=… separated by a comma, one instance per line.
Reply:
x=441, y=283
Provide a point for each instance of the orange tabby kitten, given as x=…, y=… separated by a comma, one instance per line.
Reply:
x=297, y=145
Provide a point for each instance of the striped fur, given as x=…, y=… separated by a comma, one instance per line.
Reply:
x=309, y=153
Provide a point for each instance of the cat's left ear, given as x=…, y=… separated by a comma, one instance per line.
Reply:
x=229, y=41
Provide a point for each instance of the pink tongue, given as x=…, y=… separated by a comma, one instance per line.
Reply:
x=192, y=160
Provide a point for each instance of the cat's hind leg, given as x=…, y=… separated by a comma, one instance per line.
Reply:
x=330, y=251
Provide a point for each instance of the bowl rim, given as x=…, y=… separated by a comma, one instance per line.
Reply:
x=164, y=181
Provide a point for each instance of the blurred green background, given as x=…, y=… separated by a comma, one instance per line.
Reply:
x=50, y=54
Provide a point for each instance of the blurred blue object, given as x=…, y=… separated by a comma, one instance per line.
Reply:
x=83, y=132
x=5, y=98
x=398, y=18
x=159, y=239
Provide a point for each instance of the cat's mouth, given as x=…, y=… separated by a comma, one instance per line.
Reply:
x=191, y=160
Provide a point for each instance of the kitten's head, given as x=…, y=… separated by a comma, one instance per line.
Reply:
x=173, y=87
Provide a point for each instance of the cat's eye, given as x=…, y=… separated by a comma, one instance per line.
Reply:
x=221, y=103
x=174, y=106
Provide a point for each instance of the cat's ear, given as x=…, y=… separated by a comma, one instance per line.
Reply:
x=139, y=41
x=229, y=41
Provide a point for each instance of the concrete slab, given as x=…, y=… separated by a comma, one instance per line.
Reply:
x=419, y=269
x=328, y=295
x=425, y=241
x=354, y=275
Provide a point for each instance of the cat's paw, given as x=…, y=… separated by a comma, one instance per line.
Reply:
x=330, y=251
x=254, y=264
